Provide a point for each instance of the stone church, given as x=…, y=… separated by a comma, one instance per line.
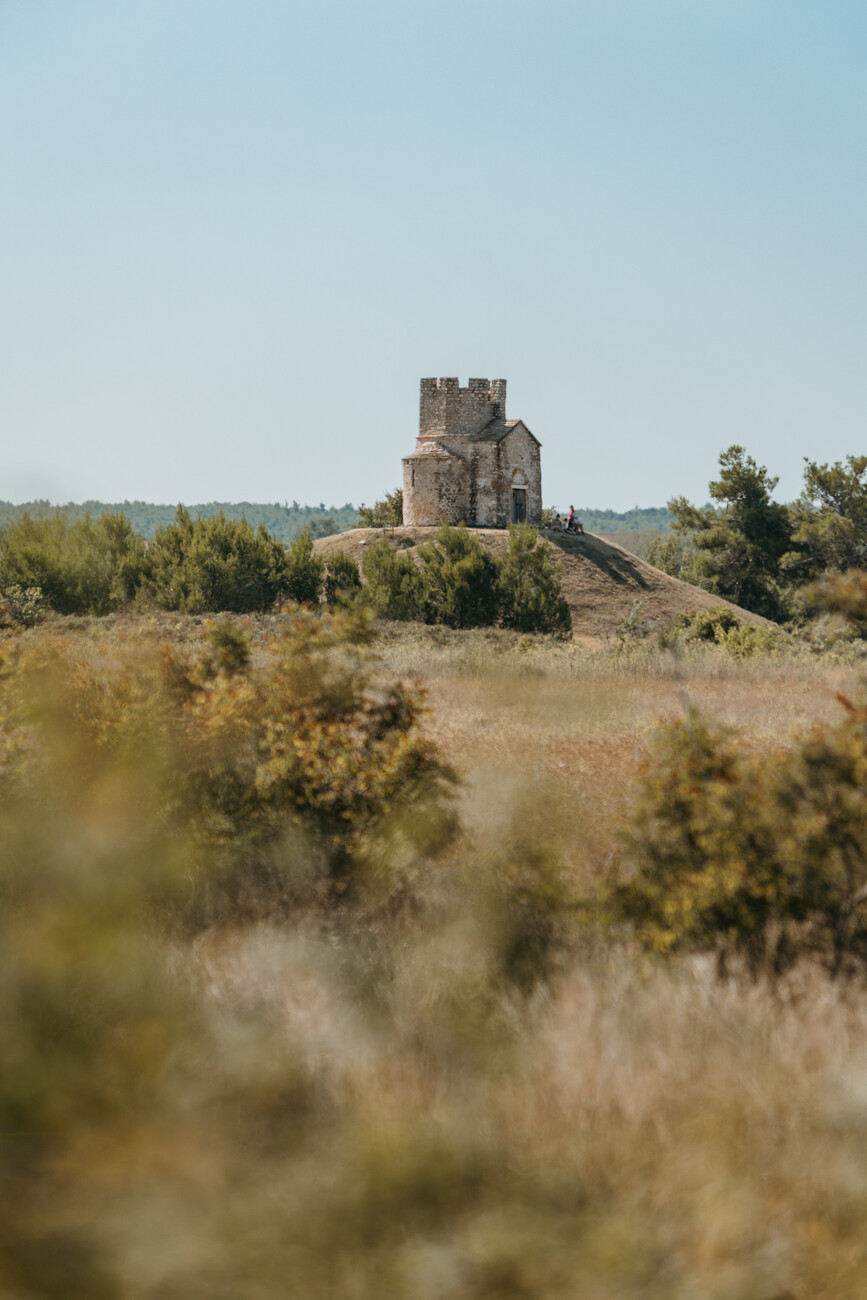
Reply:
x=470, y=463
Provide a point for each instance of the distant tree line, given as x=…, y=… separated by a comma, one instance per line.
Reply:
x=637, y=520
x=283, y=522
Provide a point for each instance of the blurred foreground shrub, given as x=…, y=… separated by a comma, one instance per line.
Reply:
x=21, y=606
x=425, y=1101
x=763, y=857
x=294, y=755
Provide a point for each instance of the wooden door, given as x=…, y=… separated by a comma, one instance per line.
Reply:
x=519, y=505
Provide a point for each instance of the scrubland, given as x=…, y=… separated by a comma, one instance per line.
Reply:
x=305, y=996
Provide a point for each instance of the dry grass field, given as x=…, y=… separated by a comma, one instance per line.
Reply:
x=560, y=733
x=365, y=1102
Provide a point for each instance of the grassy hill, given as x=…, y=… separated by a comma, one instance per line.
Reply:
x=604, y=583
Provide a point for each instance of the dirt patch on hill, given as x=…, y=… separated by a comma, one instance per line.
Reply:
x=602, y=582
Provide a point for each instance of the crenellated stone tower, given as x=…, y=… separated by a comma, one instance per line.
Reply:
x=471, y=465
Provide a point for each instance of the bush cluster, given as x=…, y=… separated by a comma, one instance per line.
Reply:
x=196, y=566
x=721, y=626
x=758, y=552
x=215, y=564
x=760, y=857
x=248, y=751
x=460, y=584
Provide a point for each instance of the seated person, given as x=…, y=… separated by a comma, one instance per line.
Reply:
x=573, y=523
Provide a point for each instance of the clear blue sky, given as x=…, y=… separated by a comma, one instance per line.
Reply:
x=235, y=234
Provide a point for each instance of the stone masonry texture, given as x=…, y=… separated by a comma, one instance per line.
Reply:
x=471, y=465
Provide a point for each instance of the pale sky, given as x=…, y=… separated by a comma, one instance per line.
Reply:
x=236, y=233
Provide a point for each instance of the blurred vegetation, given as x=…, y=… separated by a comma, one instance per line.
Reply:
x=760, y=857
x=276, y=1023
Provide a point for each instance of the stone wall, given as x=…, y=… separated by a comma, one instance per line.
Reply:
x=445, y=408
x=520, y=465
x=433, y=487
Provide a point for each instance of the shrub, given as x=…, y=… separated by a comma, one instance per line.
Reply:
x=764, y=857
x=707, y=624
x=394, y=582
x=460, y=579
x=529, y=586
x=844, y=595
x=218, y=564
x=387, y=513
x=722, y=626
x=90, y=567
x=21, y=606
x=675, y=555
x=342, y=579
x=303, y=740
x=302, y=570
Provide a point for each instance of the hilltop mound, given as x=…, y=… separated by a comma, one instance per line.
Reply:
x=602, y=582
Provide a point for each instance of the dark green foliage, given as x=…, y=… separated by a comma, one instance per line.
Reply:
x=394, y=584
x=460, y=579
x=342, y=579
x=460, y=584
x=302, y=571
x=830, y=520
x=739, y=548
x=217, y=564
x=323, y=527
x=387, y=513
x=92, y=566
x=529, y=586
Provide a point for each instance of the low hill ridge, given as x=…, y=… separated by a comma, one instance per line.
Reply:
x=602, y=582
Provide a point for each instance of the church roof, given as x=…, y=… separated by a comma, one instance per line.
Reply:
x=433, y=451
x=496, y=430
